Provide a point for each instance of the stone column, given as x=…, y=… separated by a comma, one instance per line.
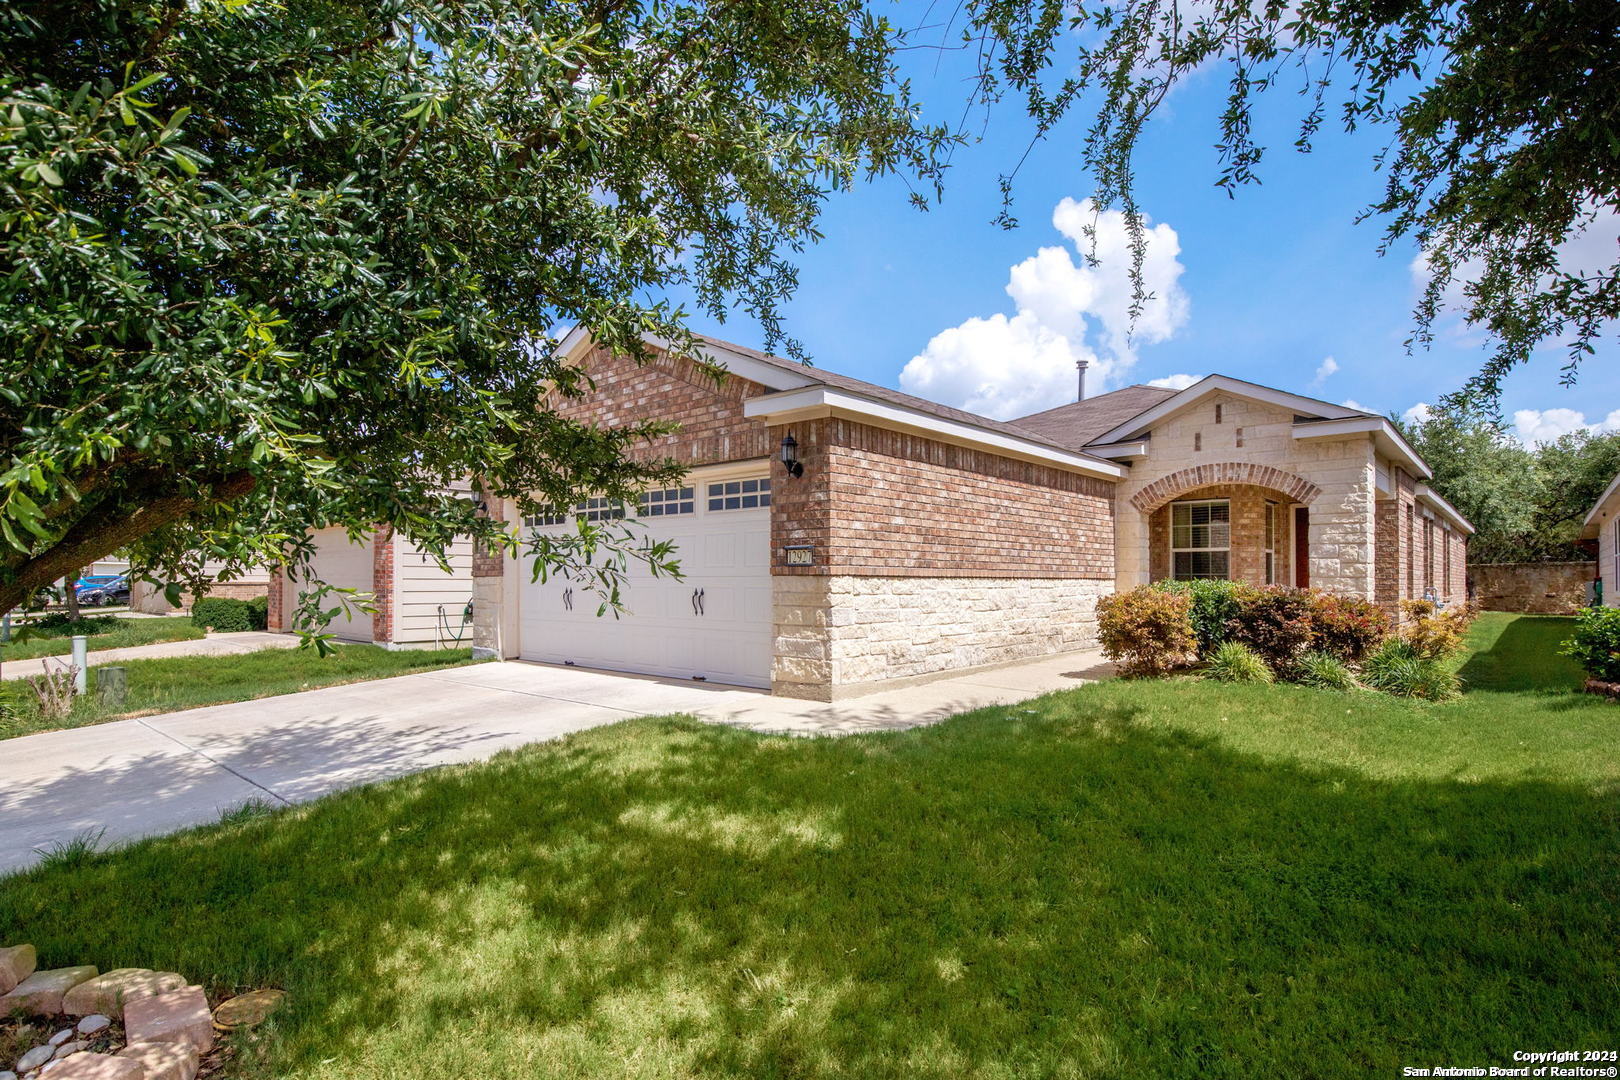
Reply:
x=489, y=595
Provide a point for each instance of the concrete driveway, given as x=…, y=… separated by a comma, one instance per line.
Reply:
x=157, y=774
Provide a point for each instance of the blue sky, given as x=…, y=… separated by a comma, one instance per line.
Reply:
x=1271, y=284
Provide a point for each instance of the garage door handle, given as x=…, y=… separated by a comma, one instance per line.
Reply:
x=568, y=599
x=701, y=606
x=694, y=602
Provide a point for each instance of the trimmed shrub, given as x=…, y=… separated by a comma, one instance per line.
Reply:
x=227, y=615
x=1323, y=671
x=1346, y=627
x=1147, y=630
x=1214, y=604
x=1396, y=667
x=1236, y=663
x=1435, y=634
x=1275, y=622
x=1595, y=645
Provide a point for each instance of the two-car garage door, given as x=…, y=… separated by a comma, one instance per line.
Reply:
x=714, y=623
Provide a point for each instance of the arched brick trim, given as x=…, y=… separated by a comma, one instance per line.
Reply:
x=1165, y=488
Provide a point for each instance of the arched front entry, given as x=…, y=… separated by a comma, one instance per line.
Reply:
x=1228, y=520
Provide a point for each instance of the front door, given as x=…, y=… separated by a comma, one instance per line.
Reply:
x=1302, y=547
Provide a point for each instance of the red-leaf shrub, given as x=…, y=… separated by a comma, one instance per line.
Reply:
x=1147, y=630
x=1275, y=622
x=1346, y=627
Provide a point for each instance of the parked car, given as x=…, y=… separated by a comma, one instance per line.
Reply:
x=104, y=593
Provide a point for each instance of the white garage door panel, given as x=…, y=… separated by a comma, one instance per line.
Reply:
x=345, y=565
x=726, y=637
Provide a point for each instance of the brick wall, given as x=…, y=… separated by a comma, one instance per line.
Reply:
x=712, y=427
x=877, y=502
x=1394, y=565
x=278, y=615
x=382, y=585
x=1557, y=588
x=1247, y=558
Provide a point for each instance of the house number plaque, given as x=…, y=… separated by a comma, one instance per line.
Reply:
x=800, y=555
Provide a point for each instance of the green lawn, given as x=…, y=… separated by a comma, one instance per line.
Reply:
x=104, y=632
x=186, y=682
x=1154, y=880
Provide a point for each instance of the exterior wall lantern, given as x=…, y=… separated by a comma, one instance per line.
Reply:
x=790, y=456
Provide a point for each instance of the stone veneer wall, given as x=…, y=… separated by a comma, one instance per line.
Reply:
x=1551, y=588
x=1252, y=435
x=929, y=559
x=840, y=635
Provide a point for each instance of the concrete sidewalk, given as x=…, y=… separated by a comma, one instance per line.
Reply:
x=245, y=641
x=157, y=774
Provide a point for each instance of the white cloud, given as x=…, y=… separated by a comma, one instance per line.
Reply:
x=1545, y=425
x=1068, y=310
x=1323, y=370
x=1352, y=403
x=1175, y=382
x=1419, y=413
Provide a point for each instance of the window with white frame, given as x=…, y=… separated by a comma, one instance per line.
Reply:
x=740, y=494
x=1271, y=543
x=591, y=510
x=551, y=515
x=1201, y=539
x=668, y=502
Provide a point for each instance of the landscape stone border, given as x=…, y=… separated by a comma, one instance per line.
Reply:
x=126, y=1024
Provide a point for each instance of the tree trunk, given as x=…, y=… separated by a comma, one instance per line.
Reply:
x=72, y=583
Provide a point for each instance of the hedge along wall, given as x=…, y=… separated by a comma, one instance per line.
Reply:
x=1544, y=588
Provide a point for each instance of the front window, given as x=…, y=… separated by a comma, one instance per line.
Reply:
x=1271, y=543
x=1201, y=539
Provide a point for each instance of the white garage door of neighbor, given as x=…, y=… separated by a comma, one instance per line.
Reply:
x=713, y=624
x=346, y=565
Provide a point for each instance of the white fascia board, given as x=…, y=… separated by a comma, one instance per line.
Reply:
x=1210, y=384
x=744, y=367
x=1389, y=441
x=818, y=401
x=1433, y=499
x=1135, y=448
x=1591, y=522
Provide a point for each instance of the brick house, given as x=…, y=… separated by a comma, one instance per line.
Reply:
x=915, y=540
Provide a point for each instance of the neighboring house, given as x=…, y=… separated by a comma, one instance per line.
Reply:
x=148, y=598
x=417, y=605
x=916, y=539
x=1603, y=525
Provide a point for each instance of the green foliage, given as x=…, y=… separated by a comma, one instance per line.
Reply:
x=1214, y=604
x=274, y=266
x=1527, y=504
x=1324, y=671
x=1232, y=662
x=1595, y=644
x=228, y=615
x=1395, y=667
x=1147, y=630
x=1345, y=627
x=1499, y=122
